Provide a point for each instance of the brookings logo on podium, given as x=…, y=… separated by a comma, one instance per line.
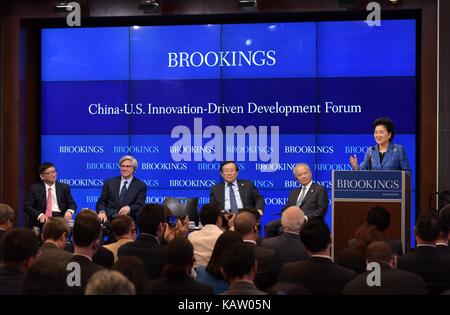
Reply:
x=368, y=185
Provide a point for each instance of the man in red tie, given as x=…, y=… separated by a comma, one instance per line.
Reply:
x=48, y=198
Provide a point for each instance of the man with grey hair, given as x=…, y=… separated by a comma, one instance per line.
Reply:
x=122, y=195
x=311, y=197
x=109, y=282
x=6, y=219
x=288, y=247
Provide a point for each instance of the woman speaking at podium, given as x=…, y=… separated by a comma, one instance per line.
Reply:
x=385, y=155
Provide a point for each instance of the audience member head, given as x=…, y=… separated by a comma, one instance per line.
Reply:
x=239, y=262
x=179, y=258
x=133, y=268
x=444, y=216
x=427, y=228
x=109, y=282
x=381, y=252
x=245, y=223
x=379, y=217
x=215, y=262
x=47, y=276
x=123, y=227
x=210, y=214
x=292, y=219
x=6, y=217
x=366, y=234
x=151, y=219
x=316, y=237
x=18, y=249
x=86, y=233
x=55, y=230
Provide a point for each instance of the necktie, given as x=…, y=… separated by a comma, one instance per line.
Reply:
x=302, y=195
x=48, y=209
x=233, y=203
x=123, y=191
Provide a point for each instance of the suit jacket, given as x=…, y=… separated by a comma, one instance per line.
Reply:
x=440, y=248
x=10, y=281
x=149, y=251
x=320, y=275
x=394, y=159
x=268, y=267
x=51, y=250
x=243, y=288
x=431, y=265
x=250, y=196
x=393, y=281
x=87, y=268
x=109, y=198
x=288, y=248
x=36, y=201
x=185, y=285
x=315, y=202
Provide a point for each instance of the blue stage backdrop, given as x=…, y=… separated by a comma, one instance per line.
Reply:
x=181, y=99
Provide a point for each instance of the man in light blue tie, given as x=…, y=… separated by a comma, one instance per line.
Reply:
x=233, y=194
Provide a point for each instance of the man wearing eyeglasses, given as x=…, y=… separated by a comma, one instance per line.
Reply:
x=48, y=198
x=122, y=195
x=233, y=194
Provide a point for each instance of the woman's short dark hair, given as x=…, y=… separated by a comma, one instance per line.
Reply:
x=387, y=123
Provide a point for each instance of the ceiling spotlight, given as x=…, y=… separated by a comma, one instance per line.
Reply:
x=149, y=6
x=248, y=3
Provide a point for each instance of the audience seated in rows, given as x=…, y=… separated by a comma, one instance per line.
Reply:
x=239, y=266
x=133, y=268
x=6, y=219
x=124, y=231
x=426, y=260
x=288, y=247
x=147, y=247
x=212, y=274
x=18, y=250
x=109, y=282
x=318, y=274
x=245, y=223
x=176, y=275
x=204, y=240
x=390, y=280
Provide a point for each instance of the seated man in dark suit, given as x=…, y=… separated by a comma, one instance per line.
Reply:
x=392, y=280
x=122, y=195
x=319, y=274
x=239, y=267
x=147, y=247
x=19, y=249
x=426, y=260
x=176, y=275
x=86, y=240
x=288, y=247
x=245, y=223
x=444, y=235
x=312, y=198
x=6, y=219
x=54, y=235
x=48, y=198
x=234, y=194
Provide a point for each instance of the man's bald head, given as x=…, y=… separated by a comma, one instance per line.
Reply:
x=244, y=223
x=292, y=219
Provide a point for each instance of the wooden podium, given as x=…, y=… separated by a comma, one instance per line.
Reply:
x=354, y=193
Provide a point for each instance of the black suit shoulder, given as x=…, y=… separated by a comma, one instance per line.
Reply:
x=181, y=286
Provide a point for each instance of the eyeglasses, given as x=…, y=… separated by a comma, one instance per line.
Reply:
x=229, y=171
x=49, y=172
x=126, y=166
